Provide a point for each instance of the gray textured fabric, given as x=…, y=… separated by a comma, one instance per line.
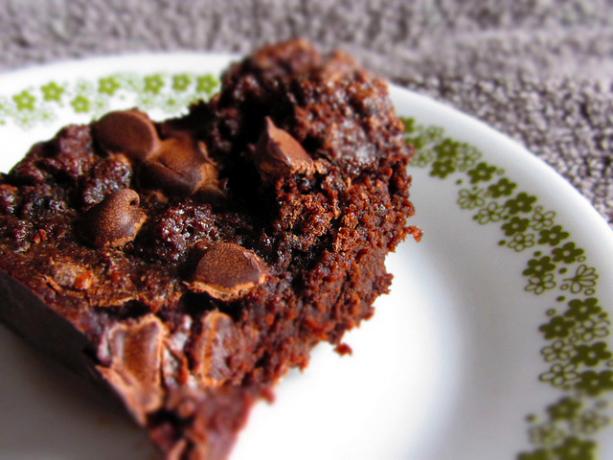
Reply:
x=539, y=70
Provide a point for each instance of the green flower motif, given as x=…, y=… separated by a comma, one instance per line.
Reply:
x=154, y=84
x=432, y=134
x=594, y=383
x=589, y=330
x=493, y=212
x=567, y=253
x=25, y=101
x=52, y=92
x=539, y=454
x=424, y=136
x=557, y=351
x=467, y=157
x=538, y=285
x=423, y=158
x=504, y=187
x=206, y=84
x=27, y=108
x=181, y=82
x=410, y=125
x=108, y=85
x=481, y=173
x=539, y=266
x=521, y=241
x=521, y=203
x=565, y=409
x=581, y=310
x=471, y=198
x=442, y=169
x=515, y=225
x=552, y=236
x=575, y=449
x=584, y=280
x=541, y=219
x=558, y=327
x=577, y=346
x=546, y=435
x=590, y=422
x=171, y=104
x=560, y=375
x=81, y=104
x=591, y=355
x=447, y=150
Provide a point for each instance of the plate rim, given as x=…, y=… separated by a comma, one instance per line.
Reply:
x=599, y=228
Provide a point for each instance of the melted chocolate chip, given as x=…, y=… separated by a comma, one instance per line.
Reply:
x=227, y=271
x=131, y=355
x=130, y=131
x=115, y=221
x=278, y=154
x=181, y=166
x=218, y=340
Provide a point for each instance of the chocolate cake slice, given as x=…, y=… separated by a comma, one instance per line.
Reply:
x=187, y=265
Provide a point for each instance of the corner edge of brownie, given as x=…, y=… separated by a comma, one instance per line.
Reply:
x=189, y=263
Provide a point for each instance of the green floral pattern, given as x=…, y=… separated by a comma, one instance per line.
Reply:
x=577, y=355
x=171, y=93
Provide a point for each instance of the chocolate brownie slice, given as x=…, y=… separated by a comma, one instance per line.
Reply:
x=187, y=265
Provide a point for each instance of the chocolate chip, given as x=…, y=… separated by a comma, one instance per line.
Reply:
x=131, y=355
x=130, y=131
x=278, y=153
x=115, y=221
x=227, y=271
x=218, y=341
x=181, y=166
x=175, y=365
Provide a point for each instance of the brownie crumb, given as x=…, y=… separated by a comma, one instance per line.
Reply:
x=343, y=349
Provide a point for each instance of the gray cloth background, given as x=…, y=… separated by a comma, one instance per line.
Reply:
x=539, y=70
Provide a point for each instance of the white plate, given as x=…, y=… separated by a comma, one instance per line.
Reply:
x=484, y=349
